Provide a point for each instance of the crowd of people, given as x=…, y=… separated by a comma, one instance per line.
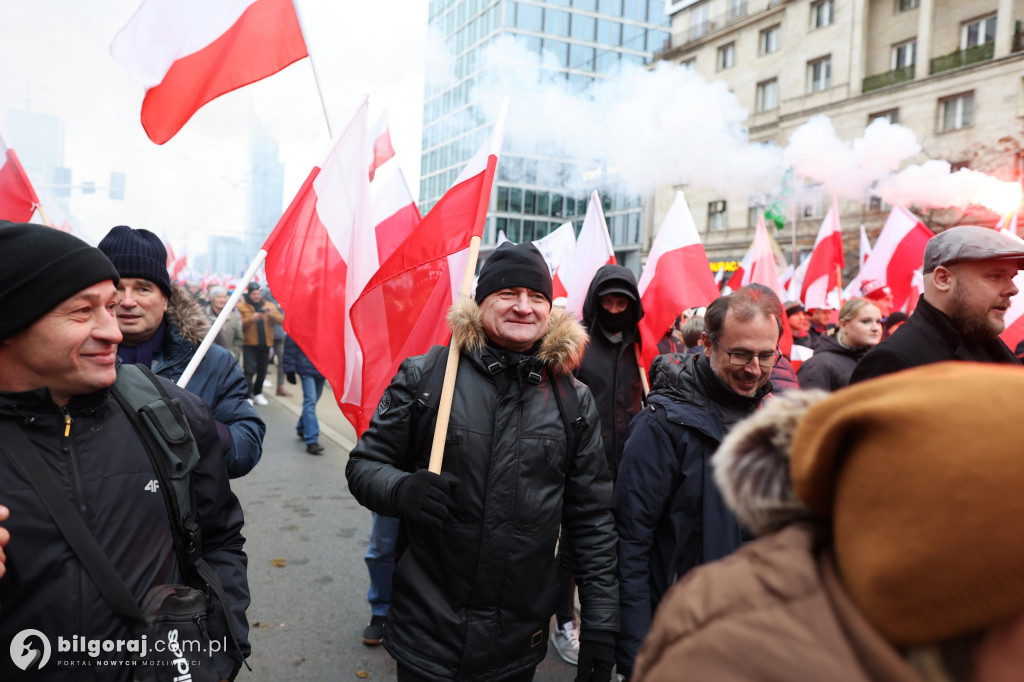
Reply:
x=850, y=518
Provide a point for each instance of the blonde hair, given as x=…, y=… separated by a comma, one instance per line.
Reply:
x=849, y=311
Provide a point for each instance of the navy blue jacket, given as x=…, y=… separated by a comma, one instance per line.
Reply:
x=295, y=360
x=669, y=513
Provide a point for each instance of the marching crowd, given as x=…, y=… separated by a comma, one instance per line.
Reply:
x=852, y=518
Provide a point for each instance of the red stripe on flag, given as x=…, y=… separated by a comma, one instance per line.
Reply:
x=18, y=199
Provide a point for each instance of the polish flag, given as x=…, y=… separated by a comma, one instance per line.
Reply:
x=557, y=248
x=394, y=212
x=898, y=252
x=676, y=276
x=380, y=135
x=853, y=289
x=823, y=278
x=321, y=253
x=741, y=276
x=1014, y=319
x=189, y=52
x=402, y=310
x=593, y=250
x=764, y=270
x=18, y=200
x=177, y=265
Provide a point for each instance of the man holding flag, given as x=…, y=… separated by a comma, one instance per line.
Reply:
x=474, y=585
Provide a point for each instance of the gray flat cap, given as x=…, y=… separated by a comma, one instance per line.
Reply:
x=970, y=242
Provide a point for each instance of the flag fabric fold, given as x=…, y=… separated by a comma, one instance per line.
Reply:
x=402, y=310
x=18, y=199
x=823, y=277
x=897, y=254
x=593, y=250
x=187, y=53
x=676, y=276
x=764, y=270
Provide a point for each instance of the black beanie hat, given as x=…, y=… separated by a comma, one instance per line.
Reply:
x=138, y=253
x=514, y=265
x=43, y=267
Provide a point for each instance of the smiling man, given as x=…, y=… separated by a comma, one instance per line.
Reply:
x=58, y=361
x=669, y=515
x=474, y=585
x=968, y=283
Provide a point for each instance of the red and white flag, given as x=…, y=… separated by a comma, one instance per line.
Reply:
x=1014, y=332
x=593, y=250
x=321, y=253
x=823, y=278
x=379, y=135
x=764, y=270
x=394, y=212
x=853, y=289
x=676, y=276
x=898, y=252
x=740, y=277
x=557, y=248
x=189, y=52
x=18, y=199
x=402, y=310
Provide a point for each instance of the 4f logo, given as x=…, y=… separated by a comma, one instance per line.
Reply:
x=152, y=486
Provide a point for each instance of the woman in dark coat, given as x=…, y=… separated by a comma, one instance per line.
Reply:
x=837, y=353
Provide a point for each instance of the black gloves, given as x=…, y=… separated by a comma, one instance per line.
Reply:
x=597, y=656
x=291, y=377
x=423, y=497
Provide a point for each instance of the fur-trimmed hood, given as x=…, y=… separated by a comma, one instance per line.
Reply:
x=752, y=464
x=187, y=315
x=561, y=348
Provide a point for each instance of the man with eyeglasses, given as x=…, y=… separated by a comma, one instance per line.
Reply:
x=669, y=514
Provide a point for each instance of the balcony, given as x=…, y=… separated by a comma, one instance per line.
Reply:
x=962, y=58
x=884, y=80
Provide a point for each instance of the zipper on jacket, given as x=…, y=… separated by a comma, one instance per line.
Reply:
x=76, y=484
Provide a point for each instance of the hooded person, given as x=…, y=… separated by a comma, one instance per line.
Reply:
x=474, y=585
x=163, y=326
x=889, y=546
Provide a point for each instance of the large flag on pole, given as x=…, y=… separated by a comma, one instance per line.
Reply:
x=323, y=251
x=402, y=310
x=189, y=52
x=18, y=200
x=898, y=252
x=764, y=270
x=853, y=289
x=676, y=276
x=824, y=268
x=593, y=250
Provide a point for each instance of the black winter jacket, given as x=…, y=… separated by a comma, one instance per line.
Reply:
x=831, y=365
x=473, y=600
x=107, y=474
x=610, y=369
x=669, y=514
x=927, y=336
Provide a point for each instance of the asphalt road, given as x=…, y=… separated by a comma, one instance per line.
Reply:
x=305, y=537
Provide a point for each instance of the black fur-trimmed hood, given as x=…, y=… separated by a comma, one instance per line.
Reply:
x=561, y=349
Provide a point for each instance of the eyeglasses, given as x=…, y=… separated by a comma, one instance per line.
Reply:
x=743, y=357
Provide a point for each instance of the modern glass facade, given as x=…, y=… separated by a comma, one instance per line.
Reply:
x=582, y=40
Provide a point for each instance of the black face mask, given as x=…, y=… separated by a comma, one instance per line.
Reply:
x=614, y=323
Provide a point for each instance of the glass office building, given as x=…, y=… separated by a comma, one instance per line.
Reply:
x=581, y=40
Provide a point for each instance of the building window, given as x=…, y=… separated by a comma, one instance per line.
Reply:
x=822, y=13
x=956, y=112
x=691, y=63
x=906, y=5
x=727, y=56
x=716, y=215
x=892, y=116
x=699, y=19
x=904, y=54
x=977, y=32
x=768, y=95
x=813, y=207
x=819, y=74
x=770, y=38
x=737, y=8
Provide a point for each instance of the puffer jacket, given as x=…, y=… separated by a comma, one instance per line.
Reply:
x=98, y=460
x=610, y=369
x=250, y=331
x=669, y=515
x=218, y=381
x=472, y=601
x=775, y=610
x=831, y=365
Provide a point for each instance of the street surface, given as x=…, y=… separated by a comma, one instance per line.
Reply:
x=305, y=537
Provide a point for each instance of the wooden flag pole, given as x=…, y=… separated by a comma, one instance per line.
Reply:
x=42, y=214
x=444, y=408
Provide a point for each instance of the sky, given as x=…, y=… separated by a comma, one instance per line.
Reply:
x=54, y=59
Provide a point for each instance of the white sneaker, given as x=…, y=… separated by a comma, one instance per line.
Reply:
x=259, y=399
x=566, y=640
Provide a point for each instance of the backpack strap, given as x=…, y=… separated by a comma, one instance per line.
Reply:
x=564, y=388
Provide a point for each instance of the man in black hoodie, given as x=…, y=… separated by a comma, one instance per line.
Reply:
x=610, y=368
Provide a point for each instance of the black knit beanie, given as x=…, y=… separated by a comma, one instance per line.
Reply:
x=43, y=267
x=514, y=265
x=138, y=253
